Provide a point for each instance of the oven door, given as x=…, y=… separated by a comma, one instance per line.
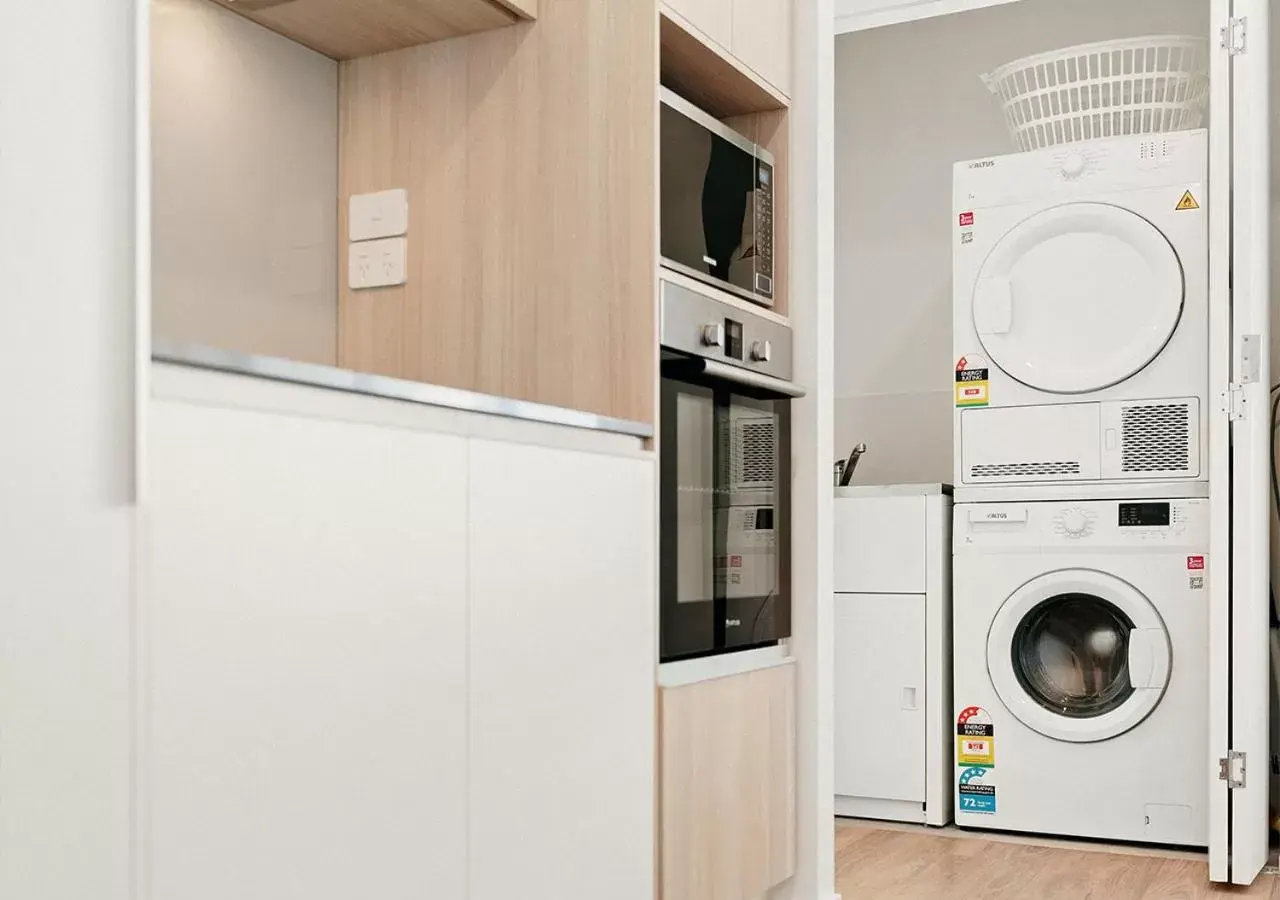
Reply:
x=724, y=520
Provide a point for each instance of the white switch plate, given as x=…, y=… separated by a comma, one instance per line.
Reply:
x=375, y=264
x=381, y=215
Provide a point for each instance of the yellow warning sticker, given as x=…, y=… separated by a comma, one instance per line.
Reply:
x=976, y=750
x=1188, y=201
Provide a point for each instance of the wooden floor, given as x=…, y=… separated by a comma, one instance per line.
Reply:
x=879, y=862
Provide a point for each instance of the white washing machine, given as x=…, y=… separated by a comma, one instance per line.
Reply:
x=1081, y=661
x=1081, y=314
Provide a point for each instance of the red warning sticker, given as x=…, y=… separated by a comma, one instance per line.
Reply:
x=1195, y=562
x=966, y=218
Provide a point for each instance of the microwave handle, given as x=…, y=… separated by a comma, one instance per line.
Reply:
x=720, y=370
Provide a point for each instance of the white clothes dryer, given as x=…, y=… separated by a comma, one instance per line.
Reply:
x=1081, y=314
x=1081, y=662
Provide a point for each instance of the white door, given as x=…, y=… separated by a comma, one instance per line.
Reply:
x=880, y=696
x=1078, y=297
x=1079, y=655
x=1239, y=443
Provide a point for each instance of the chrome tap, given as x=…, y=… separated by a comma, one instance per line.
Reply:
x=844, y=467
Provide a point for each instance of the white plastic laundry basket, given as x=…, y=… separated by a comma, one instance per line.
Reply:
x=1141, y=85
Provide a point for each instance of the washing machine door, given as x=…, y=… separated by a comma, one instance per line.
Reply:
x=1079, y=655
x=1078, y=297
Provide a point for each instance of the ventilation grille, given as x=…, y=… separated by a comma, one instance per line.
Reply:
x=755, y=453
x=1155, y=438
x=1025, y=469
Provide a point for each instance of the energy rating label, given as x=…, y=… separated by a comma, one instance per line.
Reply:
x=975, y=738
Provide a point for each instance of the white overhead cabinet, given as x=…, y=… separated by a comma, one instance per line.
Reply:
x=755, y=32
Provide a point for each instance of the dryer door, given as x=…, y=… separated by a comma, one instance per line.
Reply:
x=1078, y=298
x=1078, y=655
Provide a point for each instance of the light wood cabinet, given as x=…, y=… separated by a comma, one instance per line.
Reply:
x=561, y=677
x=714, y=18
x=762, y=39
x=345, y=29
x=306, y=671
x=728, y=786
x=528, y=157
x=754, y=34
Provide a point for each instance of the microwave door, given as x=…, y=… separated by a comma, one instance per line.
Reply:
x=709, y=179
x=726, y=198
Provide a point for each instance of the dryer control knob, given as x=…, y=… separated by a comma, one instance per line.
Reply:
x=1073, y=166
x=1075, y=523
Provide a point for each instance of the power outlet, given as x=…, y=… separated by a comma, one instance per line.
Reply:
x=376, y=264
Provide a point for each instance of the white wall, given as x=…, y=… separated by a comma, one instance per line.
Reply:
x=908, y=104
x=66, y=456
x=245, y=143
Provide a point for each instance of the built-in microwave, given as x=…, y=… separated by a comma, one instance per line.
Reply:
x=717, y=202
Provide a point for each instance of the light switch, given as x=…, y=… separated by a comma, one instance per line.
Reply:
x=375, y=264
x=381, y=215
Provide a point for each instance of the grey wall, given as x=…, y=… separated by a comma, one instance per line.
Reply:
x=909, y=103
x=245, y=172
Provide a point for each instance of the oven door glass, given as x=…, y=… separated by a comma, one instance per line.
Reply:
x=723, y=534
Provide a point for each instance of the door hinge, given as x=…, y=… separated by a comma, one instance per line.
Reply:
x=1231, y=769
x=1233, y=403
x=1234, y=34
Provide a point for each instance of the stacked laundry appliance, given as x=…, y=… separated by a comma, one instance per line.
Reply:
x=1081, y=519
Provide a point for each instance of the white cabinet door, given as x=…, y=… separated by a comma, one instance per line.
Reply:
x=880, y=696
x=713, y=17
x=563, y=650
x=762, y=39
x=880, y=545
x=306, y=681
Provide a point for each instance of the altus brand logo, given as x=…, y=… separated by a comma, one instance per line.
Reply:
x=983, y=164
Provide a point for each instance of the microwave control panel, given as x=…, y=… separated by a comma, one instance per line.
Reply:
x=764, y=228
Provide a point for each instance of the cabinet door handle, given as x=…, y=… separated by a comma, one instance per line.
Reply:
x=909, y=698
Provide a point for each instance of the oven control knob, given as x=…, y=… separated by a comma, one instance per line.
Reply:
x=713, y=335
x=761, y=351
x=1073, y=166
x=1075, y=523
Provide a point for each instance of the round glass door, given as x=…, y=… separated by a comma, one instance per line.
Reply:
x=1078, y=655
x=1078, y=297
x=1070, y=654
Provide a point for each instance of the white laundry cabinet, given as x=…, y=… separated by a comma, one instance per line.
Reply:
x=893, y=745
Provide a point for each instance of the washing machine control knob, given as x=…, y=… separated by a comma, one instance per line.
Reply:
x=1073, y=166
x=1075, y=522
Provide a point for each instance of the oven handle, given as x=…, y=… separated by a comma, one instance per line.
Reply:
x=720, y=370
